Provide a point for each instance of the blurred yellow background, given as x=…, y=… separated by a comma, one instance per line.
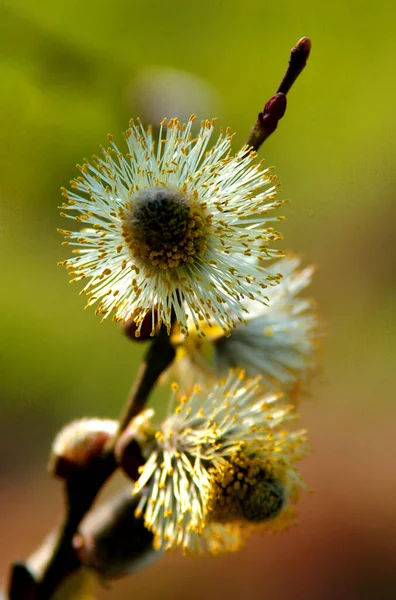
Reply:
x=73, y=71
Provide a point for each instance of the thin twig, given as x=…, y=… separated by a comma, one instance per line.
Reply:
x=152, y=367
x=274, y=109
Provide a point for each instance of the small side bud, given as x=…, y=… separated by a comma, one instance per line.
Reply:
x=112, y=541
x=267, y=120
x=128, y=447
x=77, y=444
x=144, y=331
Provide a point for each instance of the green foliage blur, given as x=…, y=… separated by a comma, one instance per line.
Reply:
x=73, y=71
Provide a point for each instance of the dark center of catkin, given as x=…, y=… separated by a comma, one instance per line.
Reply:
x=165, y=227
x=246, y=490
x=264, y=500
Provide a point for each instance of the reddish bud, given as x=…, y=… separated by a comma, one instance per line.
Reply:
x=298, y=59
x=273, y=111
x=148, y=328
x=128, y=447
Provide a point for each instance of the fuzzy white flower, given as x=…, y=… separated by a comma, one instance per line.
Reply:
x=279, y=343
x=170, y=226
x=221, y=463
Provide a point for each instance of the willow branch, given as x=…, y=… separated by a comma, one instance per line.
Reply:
x=60, y=556
x=83, y=487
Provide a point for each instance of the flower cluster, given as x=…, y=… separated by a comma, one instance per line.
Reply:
x=221, y=463
x=179, y=231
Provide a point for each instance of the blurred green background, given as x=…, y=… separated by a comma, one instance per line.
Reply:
x=73, y=71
